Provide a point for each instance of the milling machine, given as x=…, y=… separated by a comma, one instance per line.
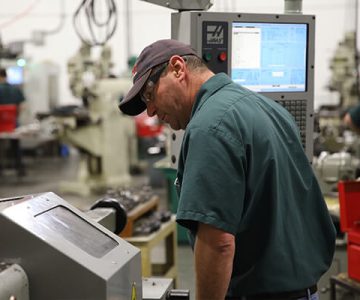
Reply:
x=105, y=138
x=338, y=149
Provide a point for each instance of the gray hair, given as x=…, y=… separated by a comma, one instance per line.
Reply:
x=195, y=63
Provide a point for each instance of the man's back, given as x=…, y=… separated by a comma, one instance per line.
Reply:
x=246, y=151
x=10, y=94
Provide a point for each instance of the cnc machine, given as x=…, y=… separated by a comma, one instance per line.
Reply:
x=106, y=138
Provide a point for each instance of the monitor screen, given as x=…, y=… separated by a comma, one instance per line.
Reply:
x=15, y=75
x=269, y=57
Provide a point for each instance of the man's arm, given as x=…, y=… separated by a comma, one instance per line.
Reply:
x=214, y=254
x=349, y=122
x=352, y=118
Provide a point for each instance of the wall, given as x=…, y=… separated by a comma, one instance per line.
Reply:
x=151, y=22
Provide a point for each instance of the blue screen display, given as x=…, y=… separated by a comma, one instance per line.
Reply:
x=14, y=75
x=269, y=57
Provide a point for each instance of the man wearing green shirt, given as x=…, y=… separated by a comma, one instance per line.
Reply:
x=352, y=118
x=247, y=193
x=12, y=95
x=9, y=94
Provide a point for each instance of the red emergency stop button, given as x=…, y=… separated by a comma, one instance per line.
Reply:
x=222, y=56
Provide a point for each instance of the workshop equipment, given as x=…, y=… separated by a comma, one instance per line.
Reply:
x=67, y=255
x=106, y=140
x=136, y=210
x=13, y=282
x=239, y=44
x=349, y=196
x=8, y=117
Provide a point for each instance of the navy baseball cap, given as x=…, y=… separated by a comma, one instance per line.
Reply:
x=153, y=55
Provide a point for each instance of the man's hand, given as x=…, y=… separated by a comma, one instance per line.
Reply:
x=214, y=254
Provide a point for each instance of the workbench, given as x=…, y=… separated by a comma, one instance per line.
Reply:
x=345, y=282
x=166, y=234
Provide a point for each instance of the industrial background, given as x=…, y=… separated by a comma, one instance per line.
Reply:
x=70, y=146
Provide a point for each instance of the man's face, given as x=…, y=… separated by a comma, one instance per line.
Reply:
x=167, y=99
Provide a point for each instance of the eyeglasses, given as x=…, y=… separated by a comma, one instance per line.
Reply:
x=147, y=94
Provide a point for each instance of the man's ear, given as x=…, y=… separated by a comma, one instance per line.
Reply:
x=177, y=64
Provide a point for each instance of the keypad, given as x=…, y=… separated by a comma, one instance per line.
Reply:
x=298, y=110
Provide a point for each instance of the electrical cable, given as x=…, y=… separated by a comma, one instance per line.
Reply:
x=20, y=15
x=97, y=31
x=61, y=24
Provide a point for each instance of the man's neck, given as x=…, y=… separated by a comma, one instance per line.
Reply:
x=198, y=80
x=2, y=80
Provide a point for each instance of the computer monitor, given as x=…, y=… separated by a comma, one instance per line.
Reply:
x=272, y=54
x=269, y=57
x=15, y=75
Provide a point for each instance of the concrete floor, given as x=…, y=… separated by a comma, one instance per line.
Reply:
x=45, y=174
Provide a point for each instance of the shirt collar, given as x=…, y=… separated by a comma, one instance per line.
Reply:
x=213, y=84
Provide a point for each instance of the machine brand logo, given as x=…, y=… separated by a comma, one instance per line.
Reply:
x=215, y=34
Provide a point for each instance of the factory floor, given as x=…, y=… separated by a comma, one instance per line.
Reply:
x=45, y=173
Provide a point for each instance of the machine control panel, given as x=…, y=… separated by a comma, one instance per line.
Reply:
x=271, y=54
x=298, y=110
x=214, y=46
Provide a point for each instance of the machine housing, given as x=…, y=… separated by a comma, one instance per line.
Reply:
x=349, y=198
x=64, y=253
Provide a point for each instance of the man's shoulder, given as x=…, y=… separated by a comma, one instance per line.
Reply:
x=228, y=104
x=4, y=85
x=10, y=94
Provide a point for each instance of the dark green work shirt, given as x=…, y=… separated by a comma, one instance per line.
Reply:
x=10, y=94
x=243, y=170
x=355, y=115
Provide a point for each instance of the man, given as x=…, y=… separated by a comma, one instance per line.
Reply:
x=9, y=94
x=352, y=118
x=247, y=191
x=12, y=95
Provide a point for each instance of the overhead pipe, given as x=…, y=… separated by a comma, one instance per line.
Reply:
x=129, y=31
x=293, y=7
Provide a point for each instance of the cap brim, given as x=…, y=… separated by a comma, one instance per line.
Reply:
x=132, y=104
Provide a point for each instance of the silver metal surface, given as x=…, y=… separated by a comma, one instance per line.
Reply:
x=293, y=7
x=14, y=283
x=104, y=216
x=65, y=254
x=156, y=288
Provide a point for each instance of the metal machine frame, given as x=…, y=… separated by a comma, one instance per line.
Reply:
x=64, y=253
x=51, y=250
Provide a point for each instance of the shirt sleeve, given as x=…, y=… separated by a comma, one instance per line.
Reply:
x=213, y=180
x=355, y=115
x=19, y=96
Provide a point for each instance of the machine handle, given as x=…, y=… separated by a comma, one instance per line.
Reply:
x=121, y=216
x=178, y=295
